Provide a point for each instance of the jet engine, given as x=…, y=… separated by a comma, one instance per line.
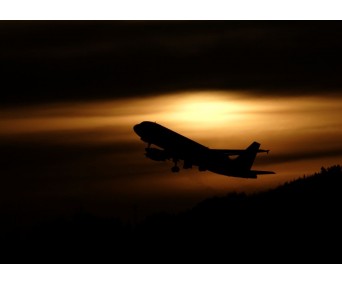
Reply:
x=156, y=154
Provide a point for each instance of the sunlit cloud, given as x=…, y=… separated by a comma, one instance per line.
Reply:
x=302, y=133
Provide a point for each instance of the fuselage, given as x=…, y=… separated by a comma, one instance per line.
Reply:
x=163, y=137
x=178, y=147
x=182, y=147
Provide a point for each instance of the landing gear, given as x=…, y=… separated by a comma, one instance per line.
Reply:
x=187, y=165
x=202, y=168
x=175, y=169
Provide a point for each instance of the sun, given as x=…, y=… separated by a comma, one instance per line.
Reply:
x=206, y=109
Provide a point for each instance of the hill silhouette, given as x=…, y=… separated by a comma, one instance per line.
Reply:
x=298, y=222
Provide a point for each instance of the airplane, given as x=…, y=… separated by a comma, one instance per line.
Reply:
x=177, y=147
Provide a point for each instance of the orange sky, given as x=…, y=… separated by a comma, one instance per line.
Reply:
x=302, y=132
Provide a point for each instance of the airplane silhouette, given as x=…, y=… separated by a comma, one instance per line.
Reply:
x=176, y=147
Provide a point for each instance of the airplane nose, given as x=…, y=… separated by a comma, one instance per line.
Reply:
x=136, y=128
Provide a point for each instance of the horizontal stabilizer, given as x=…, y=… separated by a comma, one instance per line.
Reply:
x=262, y=172
x=232, y=152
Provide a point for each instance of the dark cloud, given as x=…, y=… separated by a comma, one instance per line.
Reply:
x=42, y=178
x=44, y=61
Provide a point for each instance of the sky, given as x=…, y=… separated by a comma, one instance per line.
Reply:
x=72, y=92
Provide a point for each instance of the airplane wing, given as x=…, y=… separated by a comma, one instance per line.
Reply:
x=262, y=172
x=231, y=152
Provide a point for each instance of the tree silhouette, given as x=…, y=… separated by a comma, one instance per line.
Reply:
x=298, y=222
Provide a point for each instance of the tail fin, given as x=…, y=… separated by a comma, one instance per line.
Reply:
x=247, y=157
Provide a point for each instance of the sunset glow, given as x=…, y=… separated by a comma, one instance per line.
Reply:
x=303, y=134
x=292, y=127
x=83, y=177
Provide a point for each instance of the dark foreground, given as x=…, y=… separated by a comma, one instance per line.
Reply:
x=299, y=222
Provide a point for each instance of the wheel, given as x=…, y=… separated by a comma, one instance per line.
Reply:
x=202, y=168
x=175, y=169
